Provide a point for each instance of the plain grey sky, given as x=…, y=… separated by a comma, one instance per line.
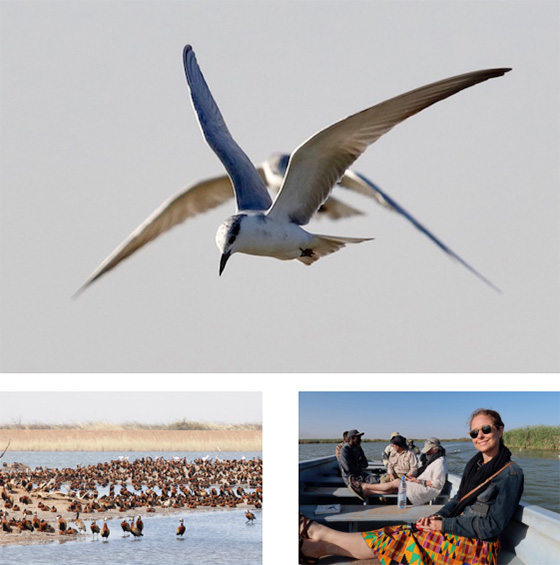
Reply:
x=121, y=407
x=98, y=129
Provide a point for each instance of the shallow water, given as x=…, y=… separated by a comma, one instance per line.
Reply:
x=213, y=536
x=541, y=468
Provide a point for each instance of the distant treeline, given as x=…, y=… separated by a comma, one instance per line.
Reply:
x=180, y=425
x=534, y=437
x=530, y=437
x=366, y=440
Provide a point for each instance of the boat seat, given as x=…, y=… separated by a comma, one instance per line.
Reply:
x=364, y=517
x=326, y=481
x=338, y=492
x=324, y=493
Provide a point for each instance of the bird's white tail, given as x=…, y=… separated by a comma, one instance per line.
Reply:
x=325, y=245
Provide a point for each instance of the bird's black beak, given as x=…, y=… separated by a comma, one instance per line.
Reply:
x=223, y=261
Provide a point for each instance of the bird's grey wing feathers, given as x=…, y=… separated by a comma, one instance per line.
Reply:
x=272, y=172
x=250, y=191
x=361, y=184
x=358, y=183
x=317, y=164
x=335, y=209
x=189, y=202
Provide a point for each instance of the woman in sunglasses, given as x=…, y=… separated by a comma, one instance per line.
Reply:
x=464, y=531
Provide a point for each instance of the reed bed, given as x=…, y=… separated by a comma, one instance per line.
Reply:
x=120, y=439
x=534, y=437
x=178, y=425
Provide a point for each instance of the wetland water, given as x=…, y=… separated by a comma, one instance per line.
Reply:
x=541, y=468
x=213, y=536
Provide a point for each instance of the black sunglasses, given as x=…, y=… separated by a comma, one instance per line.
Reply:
x=485, y=430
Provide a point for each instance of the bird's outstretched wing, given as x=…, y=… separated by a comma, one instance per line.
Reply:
x=273, y=170
x=189, y=202
x=317, y=164
x=193, y=200
x=359, y=183
x=250, y=191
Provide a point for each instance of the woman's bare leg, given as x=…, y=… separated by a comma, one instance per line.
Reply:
x=326, y=541
x=382, y=488
x=353, y=546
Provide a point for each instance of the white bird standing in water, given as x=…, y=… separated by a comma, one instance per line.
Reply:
x=263, y=227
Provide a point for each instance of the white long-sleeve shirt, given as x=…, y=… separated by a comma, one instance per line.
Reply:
x=436, y=472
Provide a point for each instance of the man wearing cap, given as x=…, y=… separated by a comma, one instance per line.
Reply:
x=432, y=474
x=353, y=461
x=402, y=461
x=431, y=479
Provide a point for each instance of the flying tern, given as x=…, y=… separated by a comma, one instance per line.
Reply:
x=304, y=181
x=207, y=194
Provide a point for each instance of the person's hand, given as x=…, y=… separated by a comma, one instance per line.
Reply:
x=430, y=523
x=411, y=479
x=423, y=522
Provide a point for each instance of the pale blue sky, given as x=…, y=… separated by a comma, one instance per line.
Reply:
x=418, y=414
x=120, y=407
x=98, y=130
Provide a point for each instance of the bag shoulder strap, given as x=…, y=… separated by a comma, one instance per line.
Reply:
x=486, y=481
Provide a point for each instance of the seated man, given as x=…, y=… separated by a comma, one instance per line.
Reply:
x=413, y=447
x=388, y=450
x=431, y=479
x=353, y=461
x=402, y=461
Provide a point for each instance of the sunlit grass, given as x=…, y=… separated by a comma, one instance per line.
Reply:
x=129, y=437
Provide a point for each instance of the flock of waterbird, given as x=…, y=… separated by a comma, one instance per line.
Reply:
x=30, y=497
x=131, y=527
x=302, y=181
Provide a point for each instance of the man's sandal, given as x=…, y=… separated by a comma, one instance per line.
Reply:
x=356, y=487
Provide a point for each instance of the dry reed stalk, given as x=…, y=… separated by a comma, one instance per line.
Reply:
x=133, y=440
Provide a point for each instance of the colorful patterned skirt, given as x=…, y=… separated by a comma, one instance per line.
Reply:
x=399, y=544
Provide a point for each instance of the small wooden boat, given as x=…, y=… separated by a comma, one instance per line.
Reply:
x=531, y=538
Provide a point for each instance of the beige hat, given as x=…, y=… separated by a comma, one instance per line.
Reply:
x=430, y=443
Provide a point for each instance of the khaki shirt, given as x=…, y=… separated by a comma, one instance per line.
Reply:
x=404, y=463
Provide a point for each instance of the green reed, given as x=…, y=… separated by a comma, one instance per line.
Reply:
x=534, y=437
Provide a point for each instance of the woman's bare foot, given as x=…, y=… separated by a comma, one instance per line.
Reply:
x=311, y=550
